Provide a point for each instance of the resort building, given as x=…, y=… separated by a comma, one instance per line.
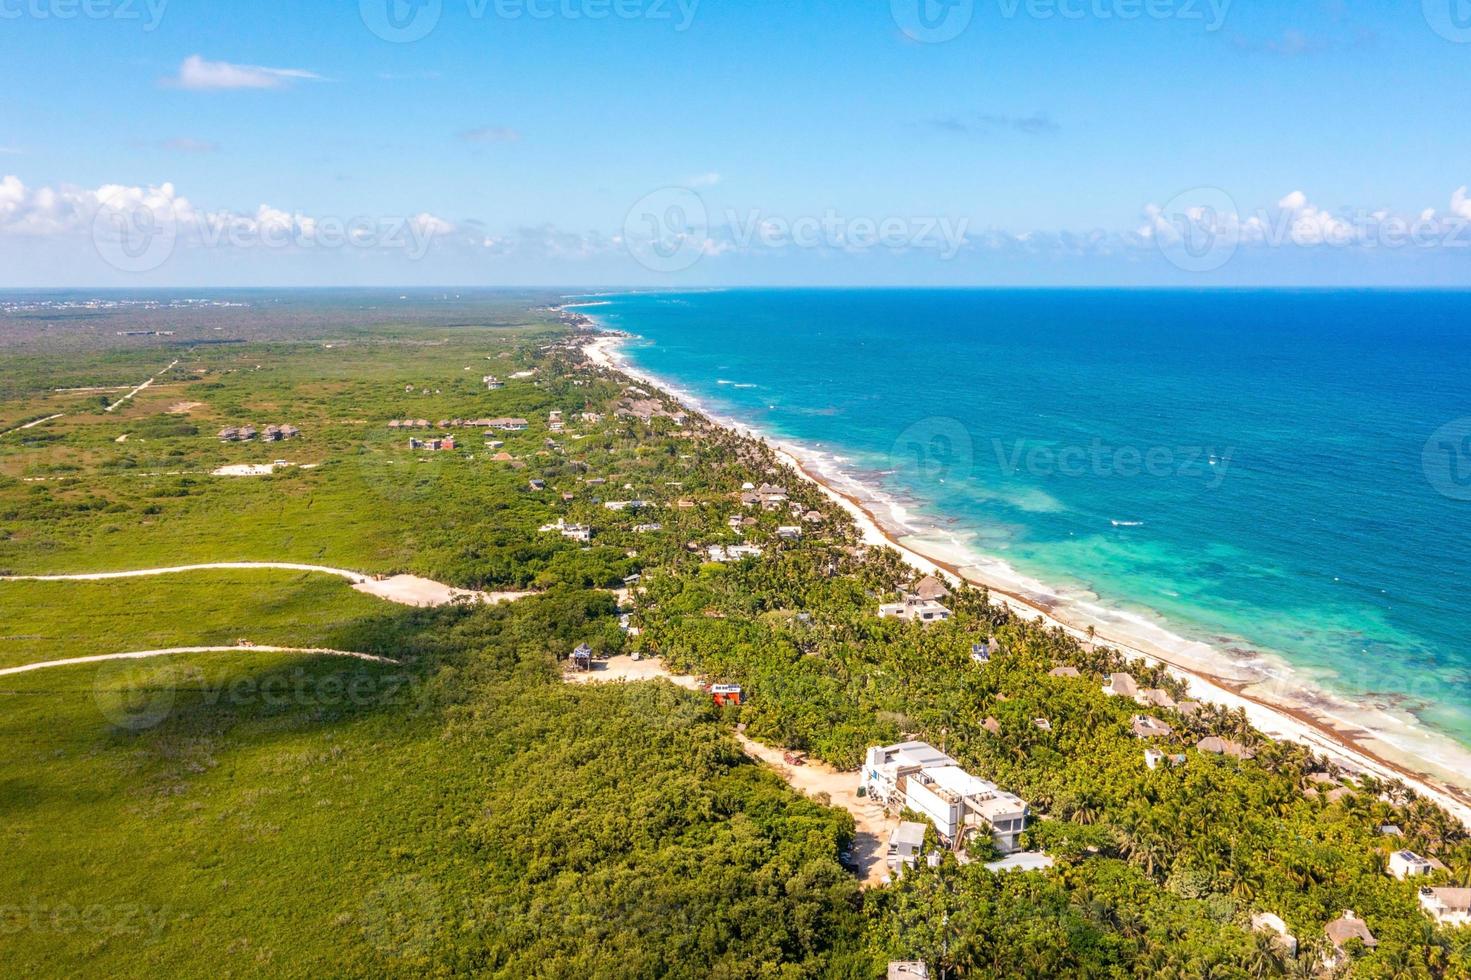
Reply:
x=789, y=533
x=1064, y=672
x=1340, y=932
x=915, y=611
x=734, y=552
x=1155, y=698
x=1268, y=922
x=1408, y=864
x=919, y=777
x=246, y=433
x=573, y=532
x=1447, y=906
x=930, y=589
x=771, y=497
x=908, y=970
x=278, y=433
x=1214, y=745
x=905, y=843
x=1121, y=686
x=1146, y=727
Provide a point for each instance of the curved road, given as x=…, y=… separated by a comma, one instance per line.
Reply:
x=145, y=654
x=406, y=590
x=355, y=577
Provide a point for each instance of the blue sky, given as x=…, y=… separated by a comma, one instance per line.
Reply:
x=783, y=141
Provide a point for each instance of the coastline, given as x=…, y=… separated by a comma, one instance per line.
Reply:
x=1274, y=706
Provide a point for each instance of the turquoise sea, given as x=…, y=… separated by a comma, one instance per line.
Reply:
x=1286, y=472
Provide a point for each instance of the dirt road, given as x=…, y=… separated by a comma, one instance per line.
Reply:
x=406, y=590
x=176, y=651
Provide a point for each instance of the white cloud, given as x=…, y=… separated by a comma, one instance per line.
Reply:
x=1461, y=204
x=425, y=223
x=200, y=75
x=1293, y=202
x=491, y=134
x=703, y=180
x=59, y=212
x=187, y=144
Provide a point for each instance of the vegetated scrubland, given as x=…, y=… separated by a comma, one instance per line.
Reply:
x=463, y=811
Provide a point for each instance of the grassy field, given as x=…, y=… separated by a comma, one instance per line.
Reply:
x=295, y=816
x=60, y=620
x=255, y=814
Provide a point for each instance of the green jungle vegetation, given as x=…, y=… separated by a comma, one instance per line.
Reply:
x=462, y=810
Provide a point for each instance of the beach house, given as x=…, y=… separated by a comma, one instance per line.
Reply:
x=1064, y=672
x=915, y=611
x=1144, y=726
x=1214, y=745
x=908, y=970
x=1408, y=864
x=919, y=777
x=1447, y=906
x=1154, y=697
x=1121, y=686
x=930, y=589
x=1340, y=933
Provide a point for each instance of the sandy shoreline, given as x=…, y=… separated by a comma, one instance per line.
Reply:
x=1347, y=742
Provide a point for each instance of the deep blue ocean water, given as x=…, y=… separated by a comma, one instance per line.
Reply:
x=1259, y=468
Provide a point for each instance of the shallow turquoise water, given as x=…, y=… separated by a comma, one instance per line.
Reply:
x=1260, y=468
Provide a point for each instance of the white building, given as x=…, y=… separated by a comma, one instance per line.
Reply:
x=917, y=776
x=734, y=552
x=915, y=611
x=1268, y=922
x=789, y=533
x=1408, y=864
x=574, y=532
x=905, y=843
x=1447, y=906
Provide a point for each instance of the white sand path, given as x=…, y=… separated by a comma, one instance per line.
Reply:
x=129, y=396
x=407, y=590
x=177, y=651
x=32, y=425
